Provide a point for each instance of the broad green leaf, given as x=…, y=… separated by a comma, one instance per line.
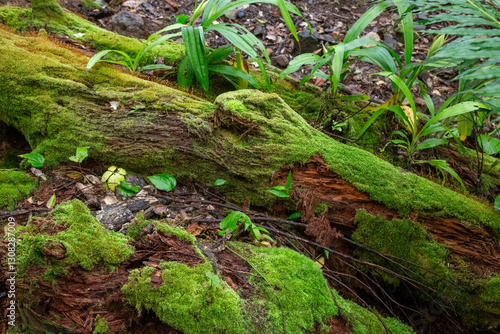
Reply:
x=431, y=142
x=96, y=58
x=402, y=86
x=457, y=109
x=182, y=18
x=219, y=54
x=289, y=180
x=256, y=232
x=164, y=182
x=378, y=56
x=81, y=154
x=230, y=222
x=490, y=145
x=155, y=67
x=283, y=188
x=295, y=215
x=299, y=61
x=286, y=17
x=219, y=182
x=113, y=176
x=35, y=159
x=364, y=21
x=337, y=62
x=185, y=73
x=443, y=166
x=51, y=202
x=195, y=49
x=129, y=187
x=279, y=193
x=497, y=203
x=235, y=72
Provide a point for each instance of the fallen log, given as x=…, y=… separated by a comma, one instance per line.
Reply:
x=251, y=139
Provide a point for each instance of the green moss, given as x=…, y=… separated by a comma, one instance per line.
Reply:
x=90, y=4
x=477, y=300
x=321, y=207
x=101, y=325
x=85, y=242
x=14, y=186
x=406, y=240
x=292, y=285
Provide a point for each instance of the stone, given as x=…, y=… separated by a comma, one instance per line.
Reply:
x=418, y=27
x=421, y=17
x=373, y=36
x=114, y=216
x=101, y=3
x=390, y=41
x=308, y=43
x=128, y=24
x=231, y=13
x=242, y=12
x=309, y=2
x=148, y=7
x=281, y=60
x=257, y=31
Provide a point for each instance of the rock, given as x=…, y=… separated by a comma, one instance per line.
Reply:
x=390, y=41
x=233, y=12
x=101, y=3
x=308, y=43
x=328, y=38
x=257, y=31
x=309, y=2
x=373, y=36
x=148, y=7
x=281, y=60
x=421, y=17
x=93, y=179
x=128, y=24
x=418, y=27
x=114, y=216
x=438, y=101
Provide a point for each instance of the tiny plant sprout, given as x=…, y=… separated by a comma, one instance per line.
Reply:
x=219, y=182
x=113, y=176
x=81, y=154
x=35, y=159
x=281, y=191
x=164, y=182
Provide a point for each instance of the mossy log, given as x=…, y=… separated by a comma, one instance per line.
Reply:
x=251, y=139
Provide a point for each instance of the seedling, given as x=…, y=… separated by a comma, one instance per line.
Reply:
x=81, y=154
x=164, y=182
x=214, y=279
x=220, y=182
x=137, y=108
x=113, y=176
x=127, y=189
x=281, y=191
x=229, y=224
x=35, y=159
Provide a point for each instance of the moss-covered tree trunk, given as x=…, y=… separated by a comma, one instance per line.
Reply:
x=251, y=139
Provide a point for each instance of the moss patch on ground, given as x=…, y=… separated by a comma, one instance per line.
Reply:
x=84, y=242
x=14, y=186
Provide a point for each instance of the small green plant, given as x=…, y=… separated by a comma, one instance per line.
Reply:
x=281, y=191
x=113, y=176
x=134, y=63
x=81, y=154
x=230, y=223
x=35, y=159
x=295, y=215
x=219, y=182
x=127, y=189
x=90, y=4
x=164, y=182
x=213, y=278
x=338, y=57
x=197, y=57
x=137, y=108
x=51, y=202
